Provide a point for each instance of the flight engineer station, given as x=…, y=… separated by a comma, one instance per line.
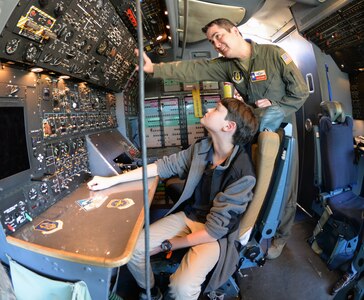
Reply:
x=151, y=150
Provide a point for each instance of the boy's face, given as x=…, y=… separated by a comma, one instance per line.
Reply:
x=224, y=42
x=214, y=119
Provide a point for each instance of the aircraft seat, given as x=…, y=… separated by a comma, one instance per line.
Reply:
x=272, y=159
x=271, y=155
x=264, y=154
x=337, y=237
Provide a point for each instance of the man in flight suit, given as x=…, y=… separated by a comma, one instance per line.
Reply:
x=264, y=75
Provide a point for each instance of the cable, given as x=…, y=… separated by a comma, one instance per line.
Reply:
x=328, y=82
x=143, y=146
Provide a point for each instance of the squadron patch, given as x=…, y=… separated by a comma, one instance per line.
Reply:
x=286, y=58
x=120, y=203
x=258, y=76
x=238, y=76
x=48, y=226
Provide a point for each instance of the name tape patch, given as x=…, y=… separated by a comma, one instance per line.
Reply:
x=258, y=75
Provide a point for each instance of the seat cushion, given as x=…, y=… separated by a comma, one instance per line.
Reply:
x=347, y=206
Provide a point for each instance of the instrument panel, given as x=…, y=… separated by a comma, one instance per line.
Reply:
x=62, y=62
x=58, y=115
x=83, y=39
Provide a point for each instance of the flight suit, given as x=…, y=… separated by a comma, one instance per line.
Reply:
x=273, y=75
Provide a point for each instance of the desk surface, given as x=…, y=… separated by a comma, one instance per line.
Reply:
x=102, y=236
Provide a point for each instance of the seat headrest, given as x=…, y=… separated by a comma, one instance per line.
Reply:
x=333, y=110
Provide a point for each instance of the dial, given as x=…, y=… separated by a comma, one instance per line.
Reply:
x=11, y=46
x=32, y=194
x=44, y=188
x=31, y=53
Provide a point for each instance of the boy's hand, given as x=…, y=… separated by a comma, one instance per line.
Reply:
x=99, y=183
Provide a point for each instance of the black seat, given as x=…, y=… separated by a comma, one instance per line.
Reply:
x=337, y=237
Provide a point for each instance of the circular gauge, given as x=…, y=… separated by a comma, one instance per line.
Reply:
x=44, y=188
x=31, y=53
x=32, y=194
x=11, y=46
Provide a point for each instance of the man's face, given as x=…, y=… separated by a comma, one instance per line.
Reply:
x=215, y=118
x=225, y=42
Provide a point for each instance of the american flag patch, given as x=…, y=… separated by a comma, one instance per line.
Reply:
x=286, y=58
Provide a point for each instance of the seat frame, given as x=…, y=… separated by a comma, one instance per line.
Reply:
x=269, y=214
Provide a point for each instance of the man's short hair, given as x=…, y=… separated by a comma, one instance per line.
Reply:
x=243, y=116
x=221, y=22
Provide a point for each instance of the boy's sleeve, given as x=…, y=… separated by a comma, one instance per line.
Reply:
x=177, y=164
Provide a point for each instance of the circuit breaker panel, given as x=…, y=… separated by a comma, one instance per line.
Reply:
x=89, y=40
x=61, y=65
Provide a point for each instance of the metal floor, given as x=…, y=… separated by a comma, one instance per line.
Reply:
x=298, y=274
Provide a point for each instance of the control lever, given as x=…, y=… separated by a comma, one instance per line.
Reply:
x=43, y=178
x=126, y=163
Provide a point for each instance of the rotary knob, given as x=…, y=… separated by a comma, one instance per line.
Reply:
x=58, y=11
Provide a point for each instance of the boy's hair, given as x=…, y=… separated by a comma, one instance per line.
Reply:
x=243, y=116
x=221, y=22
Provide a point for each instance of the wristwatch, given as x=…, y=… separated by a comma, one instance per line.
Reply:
x=166, y=246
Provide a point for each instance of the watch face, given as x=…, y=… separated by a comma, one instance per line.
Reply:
x=166, y=246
